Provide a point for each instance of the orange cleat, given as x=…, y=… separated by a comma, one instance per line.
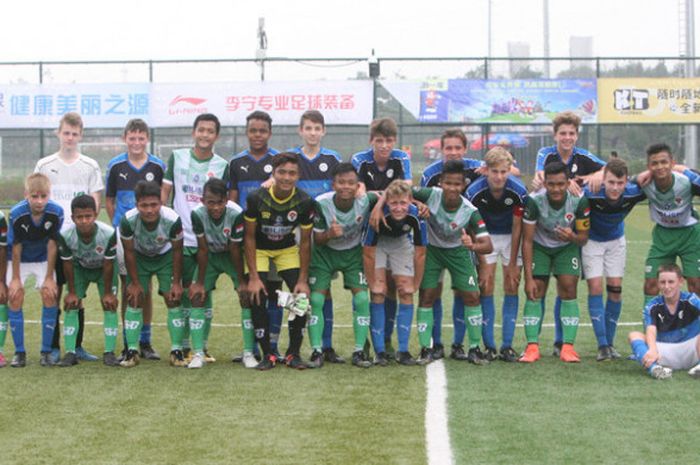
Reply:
x=531, y=355
x=568, y=354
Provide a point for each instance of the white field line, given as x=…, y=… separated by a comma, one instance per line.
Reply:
x=437, y=435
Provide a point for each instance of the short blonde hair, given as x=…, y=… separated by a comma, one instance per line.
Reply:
x=398, y=188
x=566, y=117
x=71, y=119
x=37, y=182
x=497, y=156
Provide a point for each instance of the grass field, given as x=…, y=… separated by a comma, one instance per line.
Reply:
x=502, y=413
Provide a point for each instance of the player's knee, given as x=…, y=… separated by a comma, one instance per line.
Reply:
x=614, y=292
x=317, y=300
x=635, y=336
x=471, y=299
x=360, y=299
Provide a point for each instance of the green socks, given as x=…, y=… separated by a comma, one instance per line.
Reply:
x=316, y=321
x=248, y=331
x=196, y=329
x=111, y=329
x=360, y=320
x=569, y=320
x=3, y=326
x=176, y=326
x=133, y=321
x=425, y=326
x=532, y=316
x=473, y=319
x=70, y=329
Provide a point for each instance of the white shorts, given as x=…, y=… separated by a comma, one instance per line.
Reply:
x=680, y=355
x=604, y=258
x=395, y=254
x=36, y=269
x=501, y=248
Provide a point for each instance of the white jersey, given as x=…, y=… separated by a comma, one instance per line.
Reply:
x=69, y=180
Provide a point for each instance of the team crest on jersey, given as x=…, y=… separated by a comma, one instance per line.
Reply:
x=292, y=216
x=359, y=219
x=574, y=168
x=508, y=201
x=149, y=177
x=406, y=227
x=390, y=173
x=569, y=217
x=268, y=169
x=323, y=167
x=210, y=174
x=99, y=249
x=467, y=181
x=195, y=178
x=47, y=225
x=678, y=200
x=227, y=231
x=160, y=239
x=453, y=225
x=265, y=215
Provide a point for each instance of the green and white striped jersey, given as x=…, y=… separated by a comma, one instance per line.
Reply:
x=539, y=211
x=352, y=221
x=219, y=233
x=151, y=242
x=91, y=255
x=674, y=208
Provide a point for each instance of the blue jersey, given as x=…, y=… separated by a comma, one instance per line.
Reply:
x=122, y=177
x=246, y=174
x=680, y=326
x=431, y=175
x=375, y=179
x=581, y=163
x=33, y=236
x=315, y=173
x=412, y=225
x=608, y=218
x=498, y=213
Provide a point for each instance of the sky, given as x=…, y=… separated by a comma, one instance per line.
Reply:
x=177, y=29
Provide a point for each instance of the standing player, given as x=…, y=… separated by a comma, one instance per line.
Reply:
x=396, y=244
x=604, y=254
x=3, y=288
x=218, y=226
x=188, y=170
x=455, y=231
x=87, y=250
x=71, y=174
x=500, y=198
x=315, y=166
x=556, y=225
x=34, y=227
x=152, y=238
x=671, y=339
x=123, y=172
x=271, y=217
x=338, y=225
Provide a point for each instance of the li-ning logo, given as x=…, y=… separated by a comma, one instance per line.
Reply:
x=194, y=101
x=187, y=106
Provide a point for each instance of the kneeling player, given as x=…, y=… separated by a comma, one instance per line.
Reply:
x=671, y=340
x=452, y=223
x=88, y=249
x=551, y=246
x=152, y=238
x=338, y=224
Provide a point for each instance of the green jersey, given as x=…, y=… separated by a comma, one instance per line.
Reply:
x=445, y=226
x=187, y=174
x=3, y=230
x=92, y=254
x=353, y=221
x=229, y=228
x=674, y=207
x=151, y=242
x=574, y=213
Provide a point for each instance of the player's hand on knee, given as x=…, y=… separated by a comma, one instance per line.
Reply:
x=134, y=294
x=49, y=290
x=71, y=301
x=3, y=293
x=256, y=289
x=110, y=302
x=197, y=294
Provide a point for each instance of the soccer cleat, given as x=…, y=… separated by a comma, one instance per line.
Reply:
x=438, y=351
x=508, y=355
x=177, y=359
x=84, y=355
x=55, y=356
x=316, y=359
x=365, y=348
x=278, y=357
x=187, y=354
x=359, y=359
x=295, y=361
x=425, y=357
x=695, y=372
x=45, y=359
x=556, y=350
x=110, y=360
x=405, y=358
x=238, y=358
x=132, y=359
x=531, y=354
x=389, y=349
x=208, y=357
x=381, y=359
x=661, y=372
x=3, y=362
x=457, y=352
x=491, y=354
x=476, y=357
x=197, y=361
x=568, y=354
x=122, y=355
x=614, y=354
x=249, y=360
x=148, y=352
x=267, y=363
x=69, y=359
x=330, y=356
x=19, y=360
x=603, y=354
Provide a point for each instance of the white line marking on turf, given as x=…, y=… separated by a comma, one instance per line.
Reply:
x=437, y=434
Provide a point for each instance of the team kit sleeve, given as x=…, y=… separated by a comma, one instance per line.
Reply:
x=125, y=231
x=320, y=224
x=694, y=181
x=170, y=170
x=64, y=252
x=531, y=213
x=3, y=230
x=197, y=226
x=237, y=229
x=111, y=252
x=55, y=229
x=95, y=181
x=406, y=164
x=252, y=211
x=176, y=233
x=420, y=232
x=583, y=215
x=541, y=157
x=421, y=194
x=477, y=225
x=306, y=218
x=110, y=187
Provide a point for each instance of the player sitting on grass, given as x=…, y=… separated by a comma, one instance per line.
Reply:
x=88, y=249
x=388, y=246
x=338, y=227
x=218, y=227
x=455, y=231
x=670, y=341
x=152, y=238
x=556, y=225
x=34, y=227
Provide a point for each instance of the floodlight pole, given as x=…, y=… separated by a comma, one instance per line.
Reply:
x=261, y=51
x=687, y=48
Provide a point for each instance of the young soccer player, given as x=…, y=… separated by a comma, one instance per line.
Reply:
x=218, y=226
x=152, y=238
x=123, y=172
x=556, y=224
x=388, y=247
x=500, y=198
x=338, y=226
x=71, y=173
x=670, y=341
x=604, y=254
x=455, y=231
x=3, y=288
x=188, y=170
x=34, y=227
x=271, y=216
x=87, y=249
